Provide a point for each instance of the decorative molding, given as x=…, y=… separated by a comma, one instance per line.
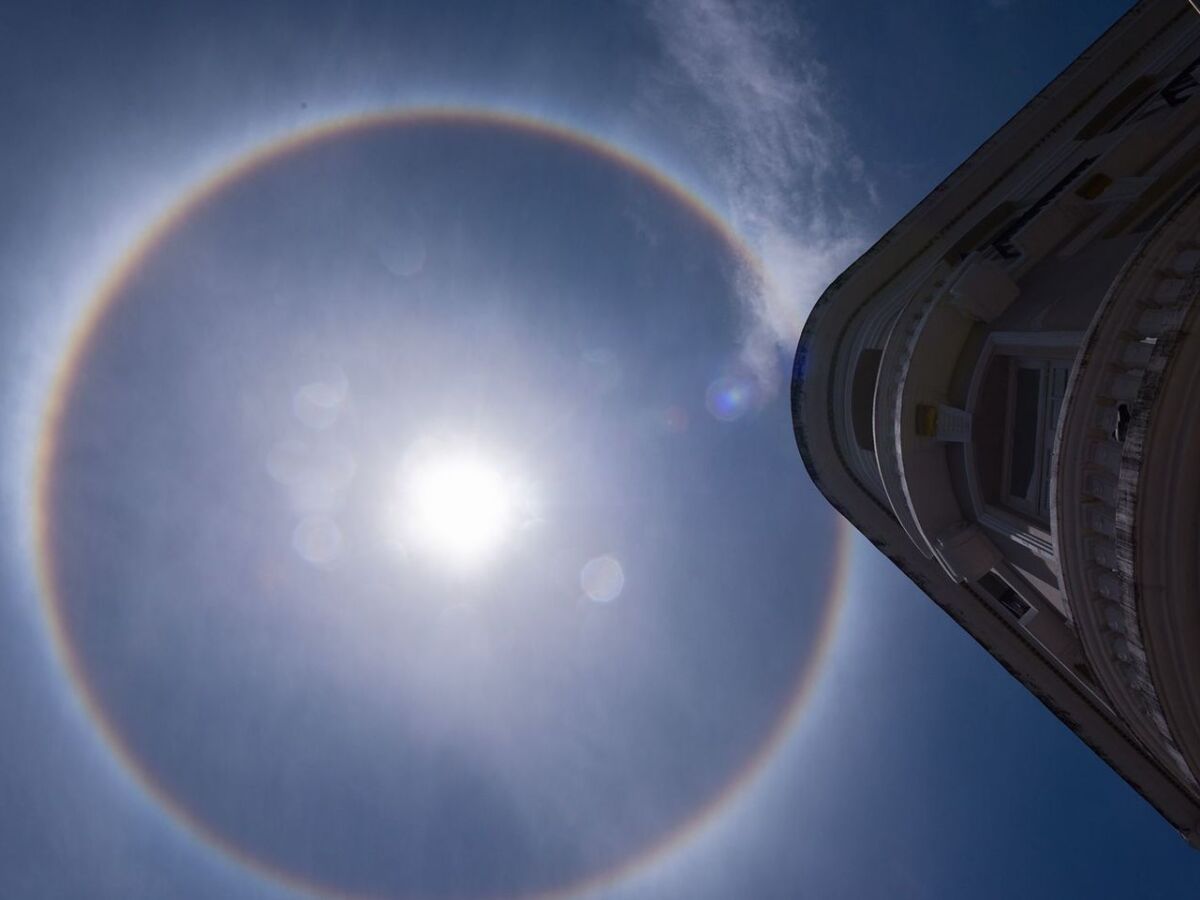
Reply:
x=1119, y=372
x=1016, y=530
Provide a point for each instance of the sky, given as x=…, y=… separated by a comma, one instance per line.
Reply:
x=398, y=475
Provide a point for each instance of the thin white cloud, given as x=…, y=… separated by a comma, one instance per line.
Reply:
x=742, y=79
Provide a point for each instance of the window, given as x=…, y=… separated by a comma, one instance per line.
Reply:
x=1036, y=391
x=1015, y=397
x=1175, y=93
x=1116, y=110
x=862, y=398
x=1005, y=595
x=1003, y=244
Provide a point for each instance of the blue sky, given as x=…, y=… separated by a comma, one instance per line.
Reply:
x=257, y=614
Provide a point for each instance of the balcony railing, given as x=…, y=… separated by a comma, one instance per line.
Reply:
x=1111, y=392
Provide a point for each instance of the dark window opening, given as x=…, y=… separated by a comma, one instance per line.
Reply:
x=1123, y=418
x=1004, y=595
x=1122, y=103
x=1024, y=431
x=980, y=233
x=989, y=429
x=862, y=398
x=1180, y=88
x=1004, y=241
x=1037, y=391
x=1176, y=92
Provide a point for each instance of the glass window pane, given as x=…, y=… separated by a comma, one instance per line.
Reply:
x=1026, y=406
x=1056, y=388
x=1044, y=497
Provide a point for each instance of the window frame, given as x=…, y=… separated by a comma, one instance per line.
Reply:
x=1036, y=506
x=1050, y=346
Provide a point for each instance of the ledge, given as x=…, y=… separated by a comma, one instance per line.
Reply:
x=1115, y=382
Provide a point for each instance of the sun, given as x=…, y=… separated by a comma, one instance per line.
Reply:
x=457, y=508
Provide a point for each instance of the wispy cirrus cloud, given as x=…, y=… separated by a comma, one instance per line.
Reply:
x=743, y=82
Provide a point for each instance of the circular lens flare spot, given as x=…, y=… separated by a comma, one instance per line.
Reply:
x=730, y=397
x=318, y=540
x=602, y=579
x=457, y=508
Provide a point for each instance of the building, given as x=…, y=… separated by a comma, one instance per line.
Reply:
x=1003, y=395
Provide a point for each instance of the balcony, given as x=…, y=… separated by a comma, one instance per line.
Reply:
x=1123, y=471
x=916, y=372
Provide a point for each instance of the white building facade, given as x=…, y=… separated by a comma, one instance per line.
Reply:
x=1003, y=395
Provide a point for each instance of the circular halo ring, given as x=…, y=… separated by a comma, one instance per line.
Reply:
x=88, y=325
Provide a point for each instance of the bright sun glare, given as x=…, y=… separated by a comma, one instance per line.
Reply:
x=458, y=508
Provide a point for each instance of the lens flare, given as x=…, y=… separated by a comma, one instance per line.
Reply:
x=602, y=579
x=318, y=540
x=730, y=397
x=319, y=403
